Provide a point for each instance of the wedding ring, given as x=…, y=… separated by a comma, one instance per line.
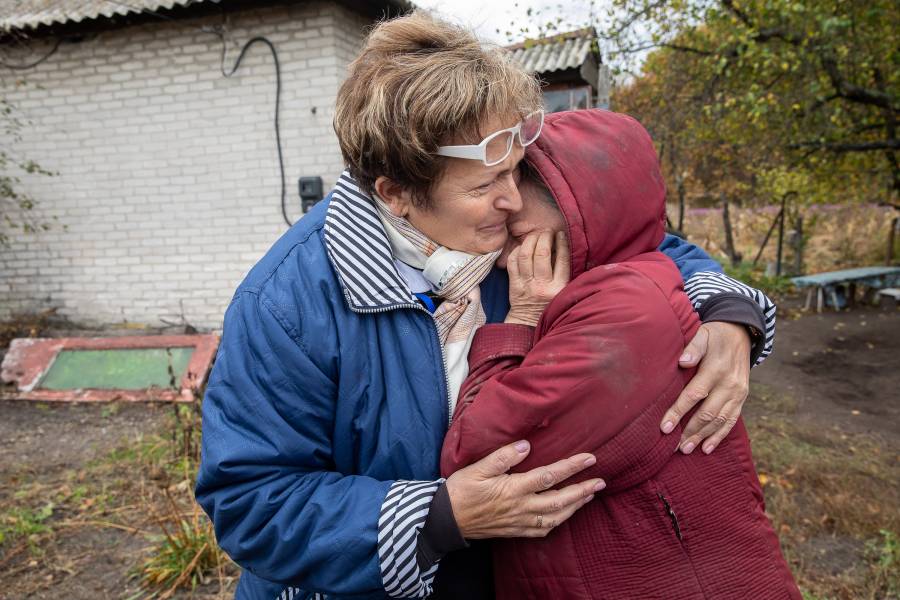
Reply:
x=540, y=521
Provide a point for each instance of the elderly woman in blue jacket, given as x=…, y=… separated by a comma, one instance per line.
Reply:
x=344, y=348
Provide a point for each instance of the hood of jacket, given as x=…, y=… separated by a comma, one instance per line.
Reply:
x=603, y=171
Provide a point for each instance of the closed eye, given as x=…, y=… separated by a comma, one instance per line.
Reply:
x=484, y=187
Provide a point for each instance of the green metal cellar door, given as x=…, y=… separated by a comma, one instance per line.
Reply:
x=128, y=369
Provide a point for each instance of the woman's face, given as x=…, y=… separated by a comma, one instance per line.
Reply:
x=539, y=213
x=470, y=205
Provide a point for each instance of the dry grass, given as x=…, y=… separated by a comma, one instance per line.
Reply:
x=836, y=237
x=185, y=556
x=25, y=325
x=832, y=497
x=142, y=489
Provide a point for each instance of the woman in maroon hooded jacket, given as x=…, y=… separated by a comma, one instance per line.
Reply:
x=596, y=375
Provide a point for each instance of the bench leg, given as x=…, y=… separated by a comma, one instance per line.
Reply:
x=834, y=300
x=870, y=297
x=820, y=299
x=809, y=296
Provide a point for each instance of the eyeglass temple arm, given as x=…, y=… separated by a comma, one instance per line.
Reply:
x=473, y=152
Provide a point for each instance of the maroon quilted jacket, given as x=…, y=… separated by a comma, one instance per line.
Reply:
x=597, y=375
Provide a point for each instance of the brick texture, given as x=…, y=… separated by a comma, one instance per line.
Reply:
x=168, y=188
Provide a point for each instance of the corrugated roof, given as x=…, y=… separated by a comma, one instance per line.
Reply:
x=556, y=53
x=30, y=14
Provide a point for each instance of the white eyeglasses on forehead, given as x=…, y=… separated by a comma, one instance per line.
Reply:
x=496, y=147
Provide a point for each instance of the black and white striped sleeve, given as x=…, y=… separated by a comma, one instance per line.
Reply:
x=403, y=514
x=707, y=289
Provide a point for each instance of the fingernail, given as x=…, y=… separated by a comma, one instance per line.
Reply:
x=689, y=447
x=590, y=461
x=589, y=498
x=600, y=486
x=521, y=447
x=668, y=426
x=686, y=357
x=708, y=448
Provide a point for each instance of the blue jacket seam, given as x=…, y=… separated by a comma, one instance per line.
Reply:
x=282, y=321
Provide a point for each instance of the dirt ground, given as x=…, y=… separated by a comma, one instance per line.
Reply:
x=833, y=384
x=824, y=419
x=835, y=363
x=71, y=456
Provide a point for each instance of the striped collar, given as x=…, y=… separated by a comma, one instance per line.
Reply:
x=360, y=252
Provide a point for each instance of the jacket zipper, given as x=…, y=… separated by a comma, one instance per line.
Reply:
x=672, y=516
x=435, y=338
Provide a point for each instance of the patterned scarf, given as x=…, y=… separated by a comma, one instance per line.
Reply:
x=455, y=277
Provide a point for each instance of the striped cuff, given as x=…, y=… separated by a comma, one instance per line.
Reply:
x=403, y=514
x=706, y=284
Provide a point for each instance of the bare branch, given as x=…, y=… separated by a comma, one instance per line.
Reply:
x=677, y=47
x=853, y=92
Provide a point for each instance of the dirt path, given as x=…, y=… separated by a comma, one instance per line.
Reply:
x=842, y=368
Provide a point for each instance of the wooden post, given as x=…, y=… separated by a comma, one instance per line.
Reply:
x=889, y=257
x=729, y=239
x=798, y=246
x=766, y=239
x=780, y=236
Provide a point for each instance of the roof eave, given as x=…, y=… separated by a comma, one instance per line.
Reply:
x=180, y=9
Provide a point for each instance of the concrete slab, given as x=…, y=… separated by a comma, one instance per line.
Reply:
x=28, y=360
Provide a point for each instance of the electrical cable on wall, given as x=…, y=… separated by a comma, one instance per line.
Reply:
x=228, y=74
x=219, y=33
x=35, y=63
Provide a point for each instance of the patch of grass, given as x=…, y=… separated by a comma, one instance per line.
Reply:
x=151, y=450
x=186, y=555
x=110, y=410
x=885, y=556
x=832, y=497
x=26, y=523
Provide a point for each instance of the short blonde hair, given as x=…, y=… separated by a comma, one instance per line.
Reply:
x=417, y=84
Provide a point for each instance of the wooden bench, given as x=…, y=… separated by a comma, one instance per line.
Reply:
x=893, y=293
x=873, y=278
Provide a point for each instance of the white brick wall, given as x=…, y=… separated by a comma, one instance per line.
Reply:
x=168, y=181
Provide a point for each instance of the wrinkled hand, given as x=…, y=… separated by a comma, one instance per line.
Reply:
x=535, y=277
x=488, y=502
x=722, y=379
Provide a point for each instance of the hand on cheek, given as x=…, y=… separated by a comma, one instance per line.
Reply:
x=538, y=270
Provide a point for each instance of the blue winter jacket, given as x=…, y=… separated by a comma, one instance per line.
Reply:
x=328, y=387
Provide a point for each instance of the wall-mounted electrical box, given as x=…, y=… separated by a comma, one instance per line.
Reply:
x=310, y=192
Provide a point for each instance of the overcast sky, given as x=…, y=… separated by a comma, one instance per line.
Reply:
x=486, y=16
